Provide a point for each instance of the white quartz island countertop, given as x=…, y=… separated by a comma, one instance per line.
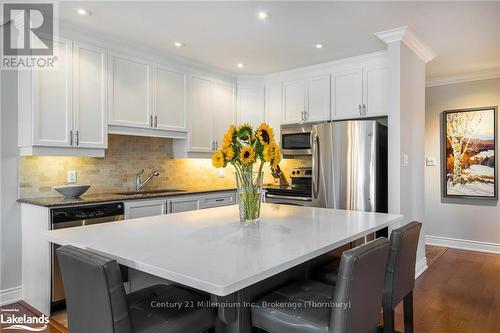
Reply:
x=211, y=250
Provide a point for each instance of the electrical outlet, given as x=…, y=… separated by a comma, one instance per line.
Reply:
x=71, y=177
x=405, y=160
x=430, y=161
x=221, y=172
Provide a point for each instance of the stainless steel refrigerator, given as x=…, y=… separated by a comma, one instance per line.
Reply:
x=349, y=160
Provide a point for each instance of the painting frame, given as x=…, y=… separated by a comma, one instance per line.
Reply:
x=444, y=154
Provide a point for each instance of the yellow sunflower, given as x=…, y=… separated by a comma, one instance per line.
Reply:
x=268, y=153
x=218, y=159
x=245, y=132
x=247, y=155
x=229, y=136
x=265, y=134
x=228, y=153
x=276, y=154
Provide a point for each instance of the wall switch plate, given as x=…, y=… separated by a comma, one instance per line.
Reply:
x=405, y=160
x=430, y=161
x=71, y=177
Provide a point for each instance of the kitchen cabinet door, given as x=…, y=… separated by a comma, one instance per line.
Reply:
x=293, y=101
x=218, y=200
x=52, y=109
x=376, y=91
x=90, y=96
x=224, y=110
x=183, y=204
x=318, y=99
x=200, y=114
x=130, y=92
x=273, y=108
x=251, y=105
x=347, y=93
x=145, y=208
x=170, y=99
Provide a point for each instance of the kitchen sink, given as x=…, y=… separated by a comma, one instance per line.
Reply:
x=166, y=190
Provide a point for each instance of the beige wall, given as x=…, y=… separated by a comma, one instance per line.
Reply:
x=116, y=171
x=475, y=220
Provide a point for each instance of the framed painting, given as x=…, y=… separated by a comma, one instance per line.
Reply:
x=469, y=153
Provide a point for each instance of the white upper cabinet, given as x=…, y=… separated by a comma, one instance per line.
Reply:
x=294, y=101
x=90, y=96
x=200, y=114
x=52, y=100
x=375, y=91
x=62, y=111
x=169, y=99
x=318, y=98
x=360, y=92
x=224, y=110
x=130, y=92
x=273, y=108
x=251, y=105
x=306, y=100
x=347, y=93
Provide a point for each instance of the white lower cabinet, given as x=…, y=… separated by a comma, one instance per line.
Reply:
x=144, y=208
x=183, y=204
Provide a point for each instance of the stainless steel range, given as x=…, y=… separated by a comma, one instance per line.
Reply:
x=298, y=193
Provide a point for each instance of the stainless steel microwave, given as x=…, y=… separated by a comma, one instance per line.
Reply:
x=296, y=139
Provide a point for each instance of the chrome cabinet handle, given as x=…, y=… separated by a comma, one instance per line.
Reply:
x=77, y=138
x=216, y=145
x=71, y=137
x=359, y=107
x=364, y=109
x=151, y=121
x=156, y=122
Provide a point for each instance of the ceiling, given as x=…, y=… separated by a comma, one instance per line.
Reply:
x=464, y=35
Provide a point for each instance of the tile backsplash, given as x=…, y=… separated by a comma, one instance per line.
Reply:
x=125, y=156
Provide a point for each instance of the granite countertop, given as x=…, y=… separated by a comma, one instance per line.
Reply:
x=59, y=201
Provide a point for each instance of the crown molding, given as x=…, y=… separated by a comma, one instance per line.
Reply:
x=405, y=35
x=461, y=78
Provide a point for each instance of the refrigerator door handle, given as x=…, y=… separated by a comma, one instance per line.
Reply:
x=315, y=166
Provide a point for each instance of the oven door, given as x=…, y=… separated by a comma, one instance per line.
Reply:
x=288, y=200
x=296, y=140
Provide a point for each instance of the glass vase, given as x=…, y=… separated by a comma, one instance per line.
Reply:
x=249, y=189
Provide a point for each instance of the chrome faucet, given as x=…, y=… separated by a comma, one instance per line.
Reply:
x=139, y=184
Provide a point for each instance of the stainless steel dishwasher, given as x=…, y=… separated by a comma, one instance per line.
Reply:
x=77, y=216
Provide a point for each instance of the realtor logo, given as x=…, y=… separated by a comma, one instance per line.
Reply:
x=34, y=23
x=28, y=35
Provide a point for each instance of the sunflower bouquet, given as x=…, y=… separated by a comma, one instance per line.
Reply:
x=245, y=148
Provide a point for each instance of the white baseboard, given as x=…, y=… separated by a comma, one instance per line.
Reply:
x=463, y=244
x=11, y=295
x=420, y=267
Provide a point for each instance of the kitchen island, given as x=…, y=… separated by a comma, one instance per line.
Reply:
x=211, y=251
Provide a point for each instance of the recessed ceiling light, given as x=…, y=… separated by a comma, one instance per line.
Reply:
x=241, y=65
x=319, y=46
x=83, y=12
x=178, y=44
x=263, y=16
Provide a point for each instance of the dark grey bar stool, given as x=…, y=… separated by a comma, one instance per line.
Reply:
x=96, y=300
x=351, y=306
x=399, y=275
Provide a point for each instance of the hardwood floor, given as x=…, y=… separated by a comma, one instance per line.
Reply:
x=459, y=293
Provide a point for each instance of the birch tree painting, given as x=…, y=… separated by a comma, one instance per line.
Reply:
x=470, y=152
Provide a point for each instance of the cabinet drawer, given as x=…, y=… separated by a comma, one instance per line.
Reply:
x=218, y=201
